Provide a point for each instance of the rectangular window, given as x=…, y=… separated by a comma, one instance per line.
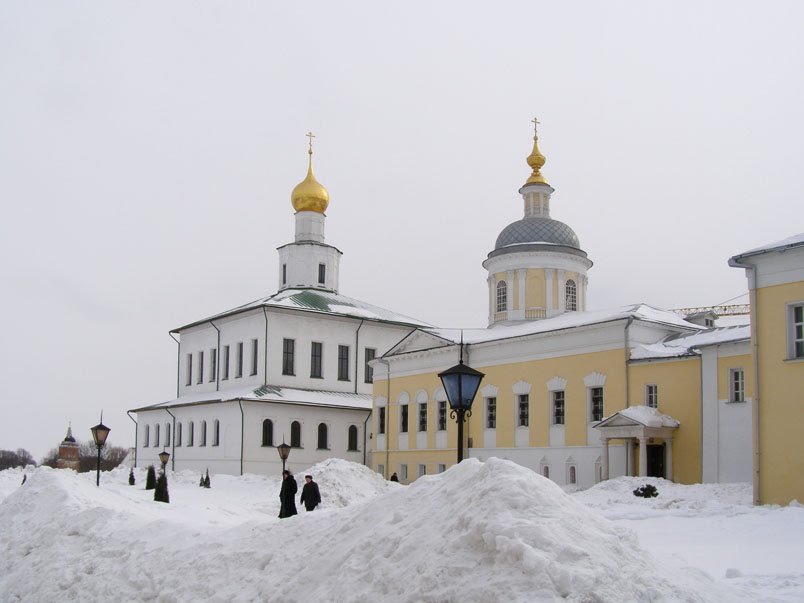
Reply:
x=558, y=408
x=316, y=351
x=381, y=420
x=652, y=395
x=403, y=472
x=736, y=385
x=441, y=467
x=523, y=407
x=596, y=402
x=200, y=367
x=189, y=370
x=381, y=469
x=225, y=366
x=167, y=434
x=491, y=413
x=255, y=356
x=422, y=470
x=796, y=330
x=288, y=347
x=239, y=360
x=284, y=274
x=403, y=418
x=213, y=364
x=343, y=363
x=423, y=416
x=368, y=372
x=322, y=274
x=442, y=415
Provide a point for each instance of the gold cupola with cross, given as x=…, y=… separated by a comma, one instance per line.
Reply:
x=537, y=268
x=310, y=194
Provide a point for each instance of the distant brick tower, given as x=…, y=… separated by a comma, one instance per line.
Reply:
x=68, y=452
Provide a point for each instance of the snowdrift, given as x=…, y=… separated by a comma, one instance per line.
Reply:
x=490, y=531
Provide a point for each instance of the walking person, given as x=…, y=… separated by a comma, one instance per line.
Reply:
x=287, y=495
x=310, y=495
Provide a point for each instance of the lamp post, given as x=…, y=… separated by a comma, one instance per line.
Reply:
x=460, y=383
x=99, y=433
x=283, y=450
x=163, y=457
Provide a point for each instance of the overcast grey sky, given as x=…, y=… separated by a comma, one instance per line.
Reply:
x=148, y=151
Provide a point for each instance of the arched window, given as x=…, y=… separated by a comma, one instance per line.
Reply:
x=178, y=434
x=295, y=434
x=322, y=436
x=352, y=437
x=502, y=296
x=267, y=432
x=167, y=434
x=203, y=433
x=146, y=437
x=190, y=433
x=572, y=477
x=216, y=433
x=572, y=295
x=156, y=435
x=546, y=471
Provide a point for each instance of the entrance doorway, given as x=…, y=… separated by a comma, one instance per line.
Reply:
x=655, y=460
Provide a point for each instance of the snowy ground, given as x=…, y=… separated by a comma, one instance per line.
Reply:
x=483, y=532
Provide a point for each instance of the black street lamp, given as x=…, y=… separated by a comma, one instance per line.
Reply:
x=99, y=433
x=283, y=450
x=460, y=383
x=163, y=457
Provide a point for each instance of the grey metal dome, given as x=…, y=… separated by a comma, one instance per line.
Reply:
x=537, y=230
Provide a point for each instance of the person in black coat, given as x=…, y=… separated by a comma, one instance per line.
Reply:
x=394, y=478
x=310, y=495
x=287, y=495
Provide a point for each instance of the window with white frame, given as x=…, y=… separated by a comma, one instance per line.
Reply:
x=213, y=364
x=323, y=436
x=795, y=329
x=422, y=470
x=225, y=366
x=441, y=467
x=572, y=475
x=422, y=416
x=267, y=432
x=284, y=274
x=491, y=413
x=368, y=371
x=255, y=356
x=200, y=367
x=316, y=360
x=146, y=436
x=736, y=385
x=343, y=363
x=239, y=360
x=403, y=418
x=167, y=434
x=189, y=380
x=351, y=438
x=288, y=350
x=216, y=433
x=322, y=274
x=572, y=295
x=381, y=469
x=178, y=435
x=190, y=433
x=203, y=433
x=156, y=435
x=523, y=410
x=558, y=407
x=652, y=395
x=442, y=415
x=295, y=434
x=403, y=472
x=596, y=403
x=502, y=296
x=381, y=420
x=546, y=471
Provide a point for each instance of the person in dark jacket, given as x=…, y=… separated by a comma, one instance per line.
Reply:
x=394, y=478
x=287, y=495
x=310, y=495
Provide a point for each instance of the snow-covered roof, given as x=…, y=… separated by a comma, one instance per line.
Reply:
x=324, y=302
x=271, y=393
x=794, y=241
x=645, y=415
x=568, y=320
x=685, y=345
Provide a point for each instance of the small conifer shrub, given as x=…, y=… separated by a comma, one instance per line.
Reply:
x=150, y=478
x=206, y=480
x=161, y=489
x=647, y=491
x=131, y=480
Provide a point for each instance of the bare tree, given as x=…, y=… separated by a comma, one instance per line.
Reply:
x=111, y=457
x=20, y=458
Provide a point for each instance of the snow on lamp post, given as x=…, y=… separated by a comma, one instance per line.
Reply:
x=163, y=457
x=461, y=383
x=99, y=433
x=283, y=450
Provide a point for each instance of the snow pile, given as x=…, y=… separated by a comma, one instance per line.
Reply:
x=479, y=532
x=650, y=417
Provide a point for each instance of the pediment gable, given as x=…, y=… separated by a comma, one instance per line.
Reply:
x=418, y=341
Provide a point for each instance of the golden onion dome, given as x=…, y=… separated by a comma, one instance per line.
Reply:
x=536, y=160
x=310, y=194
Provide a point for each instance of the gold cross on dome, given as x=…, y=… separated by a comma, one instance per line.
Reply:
x=310, y=136
x=536, y=123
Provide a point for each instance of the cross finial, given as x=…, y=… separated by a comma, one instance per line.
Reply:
x=536, y=123
x=310, y=136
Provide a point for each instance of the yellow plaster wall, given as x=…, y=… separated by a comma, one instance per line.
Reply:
x=535, y=288
x=679, y=386
x=781, y=399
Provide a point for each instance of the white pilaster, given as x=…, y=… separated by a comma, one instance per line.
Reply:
x=509, y=299
x=668, y=460
x=549, y=283
x=562, y=292
x=605, y=475
x=643, y=457
x=521, y=274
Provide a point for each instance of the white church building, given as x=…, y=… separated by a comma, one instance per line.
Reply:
x=290, y=367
